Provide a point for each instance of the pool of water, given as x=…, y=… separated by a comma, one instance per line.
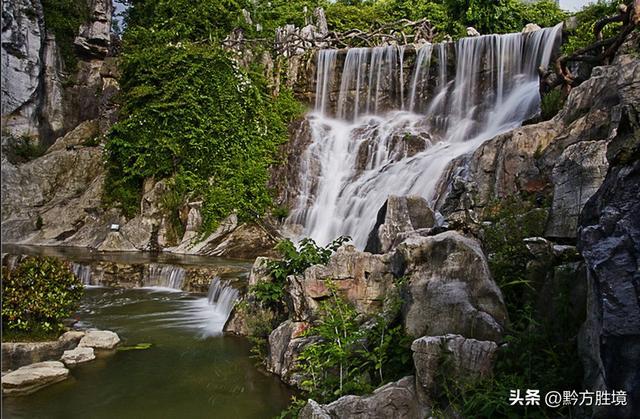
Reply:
x=190, y=371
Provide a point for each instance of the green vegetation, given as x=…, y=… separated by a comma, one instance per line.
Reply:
x=23, y=149
x=37, y=295
x=583, y=35
x=541, y=353
x=551, y=104
x=63, y=18
x=349, y=357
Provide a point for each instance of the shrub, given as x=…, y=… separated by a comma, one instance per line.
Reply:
x=63, y=18
x=551, y=104
x=583, y=35
x=37, y=295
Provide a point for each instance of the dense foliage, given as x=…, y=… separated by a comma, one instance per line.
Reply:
x=37, y=295
x=192, y=115
x=63, y=18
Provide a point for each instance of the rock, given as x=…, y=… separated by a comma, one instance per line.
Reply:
x=450, y=289
x=99, y=339
x=31, y=378
x=471, y=31
x=259, y=271
x=362, y=278
x=453, y=355
x=398, y=215
x=94, y=37
x=609, y=240
x=539, y=247
x=396, y=400
x=83, y=133
x=285, y=345
x=77, y=356
x=530, y=27
x=18, y=354
x=236, y=324
x=577, y=176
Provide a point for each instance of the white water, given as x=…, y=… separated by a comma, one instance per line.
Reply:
x=83, y=272
x=168, y=277
x=361, y=153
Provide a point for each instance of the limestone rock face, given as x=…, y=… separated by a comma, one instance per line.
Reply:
x=22, y=39
x=609, y=240
x=459, y=357
x=450, y=289
x=364, y=279
x=396, y=400
x=285, y=345
x=77, y=356
x=19, y=354
x=99, y=339
x=398, y=215
x=31, y=378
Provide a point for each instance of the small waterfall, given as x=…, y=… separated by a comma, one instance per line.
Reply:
x=392, y=134
x=83, y=272
x=165, y=276
x=222, y=297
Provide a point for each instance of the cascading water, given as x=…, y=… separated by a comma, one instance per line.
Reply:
x=393, y=133
x=165, y=276
x=222, y=297
x=83, y=272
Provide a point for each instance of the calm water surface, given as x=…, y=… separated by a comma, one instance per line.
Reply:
x=187, y=373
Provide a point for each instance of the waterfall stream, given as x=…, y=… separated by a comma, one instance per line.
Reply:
x=393, y=129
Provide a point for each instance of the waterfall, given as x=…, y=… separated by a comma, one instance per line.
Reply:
x=392, y=134
x=222, y=297
x=165, y=276
x=83, y=272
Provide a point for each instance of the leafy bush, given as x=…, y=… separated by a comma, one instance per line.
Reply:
x=351, y=358
x=37, y=295
x=294, y=262
x=551, y=104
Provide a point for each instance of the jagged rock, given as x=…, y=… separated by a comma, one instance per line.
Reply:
x=31, y=378
x=609, y=240
x=83, y=133
x=285, y=345
x=99, y=339
x=453, y=355
x=364, y=279
x=77, y=356
x=450, y=289
x=395, y=400
x=399, y=214
x=18, y=354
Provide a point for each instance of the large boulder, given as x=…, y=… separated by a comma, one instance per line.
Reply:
x=449, y=288
x=18, y=354
x=286, y=343
x=362, y=278
x=397, y=400
x=399, y=214
x=32, y=378
x=457, y=357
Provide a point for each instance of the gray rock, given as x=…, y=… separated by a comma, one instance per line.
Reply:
x=450, y=289
x=399, y=214
x=453, y=355
x=285, y=345
x=99, y=339
x=95, y=35
x=397, y=400
x=31, y=378
x=530, y=27
x=77, y=356
x=18, y=354
x=609, y=240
